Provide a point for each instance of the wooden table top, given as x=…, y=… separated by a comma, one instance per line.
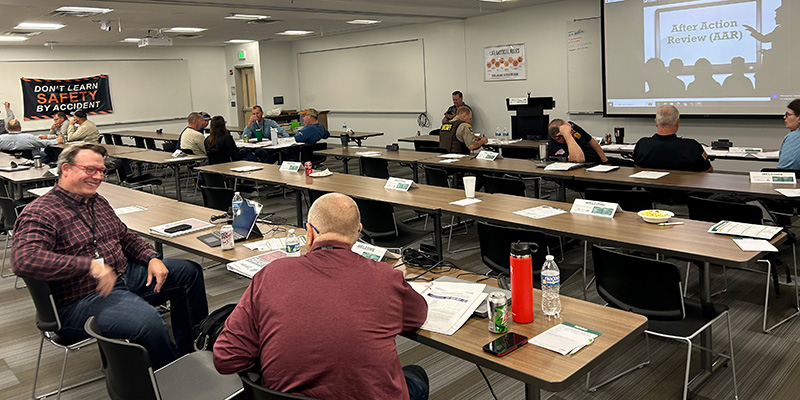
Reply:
x=111, y=149
x=542, y=368
x=160, y=157
x=23, y=175
x=120, y=196
x=421, y=138
x=399, y=155
x=148, y=134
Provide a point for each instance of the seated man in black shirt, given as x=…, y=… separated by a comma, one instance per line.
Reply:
x=569, y=140
x=665, y=150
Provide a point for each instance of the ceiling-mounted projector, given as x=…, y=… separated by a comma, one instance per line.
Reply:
x=155, y=38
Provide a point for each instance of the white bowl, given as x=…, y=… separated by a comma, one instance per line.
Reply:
x=656, y=220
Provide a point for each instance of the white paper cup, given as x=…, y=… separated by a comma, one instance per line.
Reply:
x=469, y=186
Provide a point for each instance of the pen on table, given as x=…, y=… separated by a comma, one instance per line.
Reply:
x=580, y=347
x=670, y=223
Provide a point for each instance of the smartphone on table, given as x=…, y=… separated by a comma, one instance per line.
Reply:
x=505, y=344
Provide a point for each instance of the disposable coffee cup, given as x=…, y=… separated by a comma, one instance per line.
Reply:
x=469, y=186
x=619, y=134
x=543, y=151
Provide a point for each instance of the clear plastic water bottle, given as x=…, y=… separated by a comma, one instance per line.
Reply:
x=292, y=244
x=236, y=203
x=497, y=135
x=505, y=135
x=344, y=127
x=551, y=284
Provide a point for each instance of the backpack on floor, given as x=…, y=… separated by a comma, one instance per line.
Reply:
x=206, y=332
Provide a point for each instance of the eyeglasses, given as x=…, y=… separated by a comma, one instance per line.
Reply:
x=92, y=170
x=312, y=226
x=787, y=114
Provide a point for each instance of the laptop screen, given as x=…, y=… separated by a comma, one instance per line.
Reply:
x=244, y=220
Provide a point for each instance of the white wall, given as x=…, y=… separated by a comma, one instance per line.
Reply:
x=206, y=67
x=279, y=75
x=454, y=61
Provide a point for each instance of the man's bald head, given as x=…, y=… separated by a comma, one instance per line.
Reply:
x=335, y=216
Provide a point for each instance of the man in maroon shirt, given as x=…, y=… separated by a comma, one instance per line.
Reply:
x=324, y=324
x=71, y=238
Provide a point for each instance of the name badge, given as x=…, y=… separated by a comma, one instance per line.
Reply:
x=368, y=251
x=772, y=177
x=291, y=166
x=591, y=207
x=399, y=184
x=487, y=155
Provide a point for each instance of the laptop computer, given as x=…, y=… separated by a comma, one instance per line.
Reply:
x=481, y=311
x=244, y=225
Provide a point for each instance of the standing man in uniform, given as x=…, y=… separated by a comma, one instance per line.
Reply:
x=665, y=150
x=458, y=101
x=456, y=135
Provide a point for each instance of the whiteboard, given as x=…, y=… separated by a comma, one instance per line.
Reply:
x=141, y=90
x=584, y=60
x=383, y=77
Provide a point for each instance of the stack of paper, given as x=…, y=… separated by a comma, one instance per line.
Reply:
x=603, y=168
x=649, y=175
x=247, y=168
x=250, y=266
x=747, y=230
x=562, y=166
x=450, y=304
x=278, y=243
x=565, y=338
x=540, y=212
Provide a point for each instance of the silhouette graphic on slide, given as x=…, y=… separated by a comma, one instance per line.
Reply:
x=738, y=84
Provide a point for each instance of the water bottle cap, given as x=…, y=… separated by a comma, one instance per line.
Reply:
x=520, y=249
x=549, y=257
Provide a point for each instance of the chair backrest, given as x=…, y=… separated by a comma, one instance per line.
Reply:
x=519, y=152
x=150, y=144
x=108, y=138
x=9, y=208
x=377, y=218
x=169, y=145
x=213, y=180
x=495, y=242
x=129, y=374
x=254, y=391
x=373, y=167
x=215, y=156
x=496, y=184
x=46, y=312
x=117, y=140
x=307, y=153
x=139, y=142
x=629, y=200
x=715, y=210
x=430, y=147
x=218, y=198
x=642, y=285
x=434, y=132
x=436, y=177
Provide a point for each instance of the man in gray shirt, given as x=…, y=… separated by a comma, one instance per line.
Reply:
x=16, y=141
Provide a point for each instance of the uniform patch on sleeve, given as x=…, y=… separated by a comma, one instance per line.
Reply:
x=560, y=152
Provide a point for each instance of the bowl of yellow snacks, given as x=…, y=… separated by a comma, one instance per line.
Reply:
x=656, y=216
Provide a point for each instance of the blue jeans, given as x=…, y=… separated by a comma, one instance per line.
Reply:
x=417, y=382
x=128, y=313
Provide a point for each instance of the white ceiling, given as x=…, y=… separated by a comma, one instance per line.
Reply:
x=133, y=18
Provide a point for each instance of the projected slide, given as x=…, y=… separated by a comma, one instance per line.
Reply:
x=706, y=56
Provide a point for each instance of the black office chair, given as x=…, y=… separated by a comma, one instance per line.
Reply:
x=130, y=376
x=439, y=177
x=139, y=141
x=108, y=138
x=127, y=179
x=169, y=146
x=218, y=198
x=213, y=180
x=781, y=210
x=429, y=147
x=505, y=185
x=495, y=242
x=48, y=323
x=307, y=154
x=380, y=227
x=434, y=132
x=10, y=210
x=653, y=288
x=117, y=140
x=629, y=200
x=150, y=144
x=251, y=382
x=714, y=211
x=373, y=167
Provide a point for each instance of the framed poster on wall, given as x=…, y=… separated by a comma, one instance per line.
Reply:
x=505, y=63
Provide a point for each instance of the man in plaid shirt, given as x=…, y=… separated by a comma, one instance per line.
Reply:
x=71, y=238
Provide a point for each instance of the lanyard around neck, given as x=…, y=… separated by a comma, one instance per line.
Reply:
x=92, y=227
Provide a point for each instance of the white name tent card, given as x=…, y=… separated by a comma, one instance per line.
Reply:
x=649, y=174
x=291, y=166
x=591, y=207
x=750, y=244
x=772, y=177
x=368, y=251
x=487, y=155
x=399, y=184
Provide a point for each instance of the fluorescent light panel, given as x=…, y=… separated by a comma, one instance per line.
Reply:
x=39, y=26
x=363, y=22
x=240, y=41
x=92, y=10
x=184, y=29
x=247, y=17
x=13, y=38
x=292, y=32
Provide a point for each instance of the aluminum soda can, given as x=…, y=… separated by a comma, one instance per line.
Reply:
x=226, y=237
x=497, y=305
x=307, y=165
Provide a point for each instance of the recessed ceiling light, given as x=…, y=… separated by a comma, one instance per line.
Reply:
x=247, y=17
x=185, y=29
x=363, y=22
x=84, y=10
x=13, y=38
x=130, y=40
x=240, y=41
x=39, y=26
x=495, y=1
x=292, y=32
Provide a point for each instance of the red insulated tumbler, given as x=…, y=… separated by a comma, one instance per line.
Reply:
x=521, y=283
